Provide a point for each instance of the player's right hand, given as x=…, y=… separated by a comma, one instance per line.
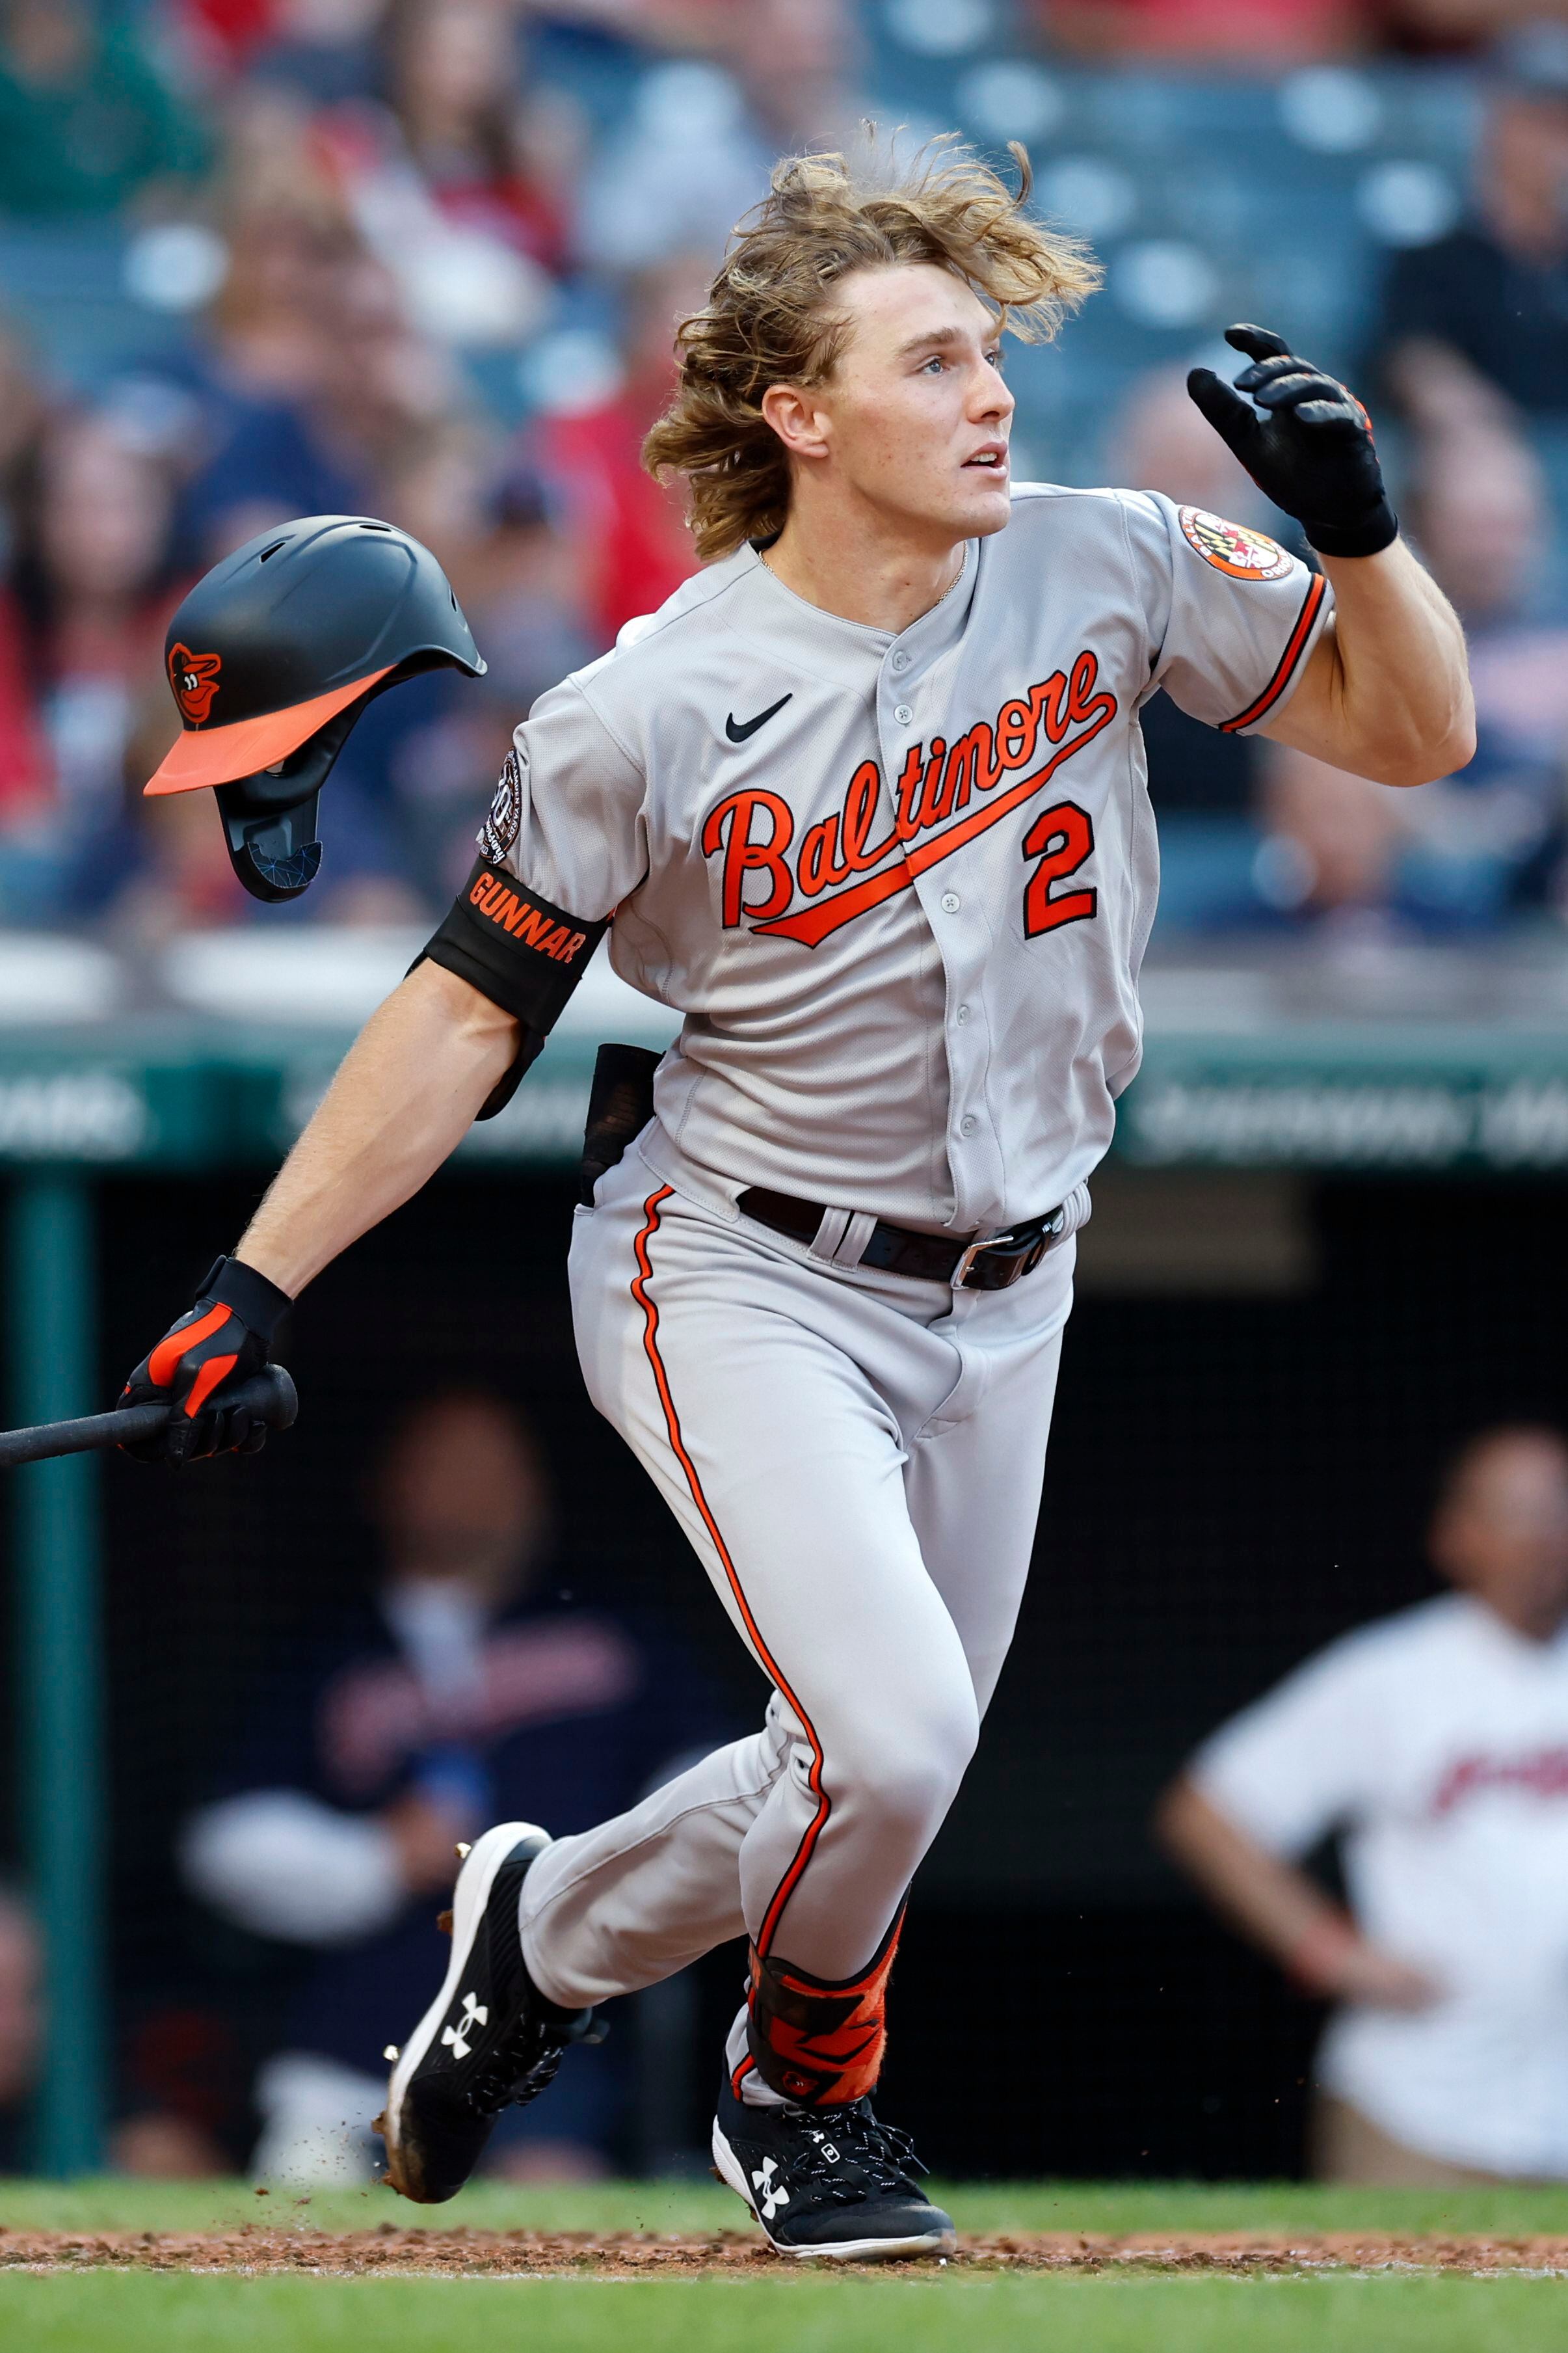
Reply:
x=1381, y=1980
x=202, y=1361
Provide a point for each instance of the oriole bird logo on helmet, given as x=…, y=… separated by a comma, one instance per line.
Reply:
x=195, y=678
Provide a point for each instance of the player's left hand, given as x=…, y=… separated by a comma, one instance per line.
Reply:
x=1311, y=451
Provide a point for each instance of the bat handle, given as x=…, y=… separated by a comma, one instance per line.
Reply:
x=270, y=1396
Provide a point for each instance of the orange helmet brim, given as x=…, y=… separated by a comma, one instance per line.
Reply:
x=220, y=756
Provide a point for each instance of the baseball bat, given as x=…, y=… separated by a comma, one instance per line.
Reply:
x=271, y=1396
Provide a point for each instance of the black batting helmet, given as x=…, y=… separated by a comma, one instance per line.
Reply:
x=272, y=658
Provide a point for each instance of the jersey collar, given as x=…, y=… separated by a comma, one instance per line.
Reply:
x=849, y=652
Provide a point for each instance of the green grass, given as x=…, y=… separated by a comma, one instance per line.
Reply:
x=119, y=2313
x=929, y=2311
x=703, y=2206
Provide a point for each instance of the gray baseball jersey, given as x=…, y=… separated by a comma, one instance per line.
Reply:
x=900, y=886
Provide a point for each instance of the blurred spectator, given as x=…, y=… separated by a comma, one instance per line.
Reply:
x=630, y=530
x=224, y=33
x=1265, y=34
x=21, y=2026
x=92, y=572
x=481, y=144
x=1451, y=27
x=1162, y=442
x=85, y=121
x=247, y=444
x=455, y=192
x=1437, y=1742
x=518, y=577
x=702, y=141
x=324, y=49
x=1465, y=852
x=1491, y=838
x=318, y=398
x=288, y=233
x=471, y=1689
x=23, y=408
x=366, y=388
x=1492, y=296
x=93, y=590
x=310, y=377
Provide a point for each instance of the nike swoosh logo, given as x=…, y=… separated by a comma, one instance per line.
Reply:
x=739, y=735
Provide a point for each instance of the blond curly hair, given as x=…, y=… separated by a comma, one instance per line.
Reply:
x=770, y=317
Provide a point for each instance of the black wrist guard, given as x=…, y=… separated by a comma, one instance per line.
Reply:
x=259, y=1304
x=1377, y=530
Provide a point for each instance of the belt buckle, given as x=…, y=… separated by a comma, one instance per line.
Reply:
x=1024, y=1258
x=960, y=1277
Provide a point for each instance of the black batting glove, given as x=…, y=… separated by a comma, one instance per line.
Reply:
x=203, y=1360
x=1311, y=451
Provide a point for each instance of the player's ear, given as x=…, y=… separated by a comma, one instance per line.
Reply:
x=797, y=420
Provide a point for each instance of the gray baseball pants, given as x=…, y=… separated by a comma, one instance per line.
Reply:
x=857, y=1459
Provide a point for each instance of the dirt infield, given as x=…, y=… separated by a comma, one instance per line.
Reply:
x=256, y=2248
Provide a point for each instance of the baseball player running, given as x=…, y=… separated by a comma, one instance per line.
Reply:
x=866, y=801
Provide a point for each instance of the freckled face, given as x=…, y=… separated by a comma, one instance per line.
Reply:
x=916, y=413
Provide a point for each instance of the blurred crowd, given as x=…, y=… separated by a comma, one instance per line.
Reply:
x=413, y=272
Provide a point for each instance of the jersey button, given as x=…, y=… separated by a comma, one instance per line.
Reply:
x=968, y=1123
x=901, y=662
x=951, y=903
x=962, y=1013
x=903, y=714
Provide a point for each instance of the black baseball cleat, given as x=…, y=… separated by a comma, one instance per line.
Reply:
x=828, y=2181
x=487, y=2041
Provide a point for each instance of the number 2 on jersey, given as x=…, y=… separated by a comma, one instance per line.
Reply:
x=1062, y=839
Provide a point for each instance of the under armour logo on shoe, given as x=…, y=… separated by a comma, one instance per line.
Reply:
x=454, y=2036
x=769, y=2199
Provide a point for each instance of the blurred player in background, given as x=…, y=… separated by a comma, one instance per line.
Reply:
x=470, y=1681
x=1436, y=1741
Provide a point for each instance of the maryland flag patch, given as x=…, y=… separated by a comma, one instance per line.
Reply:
x=1231, y=547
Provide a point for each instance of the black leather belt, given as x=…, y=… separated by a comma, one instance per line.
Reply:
x=977, y=1265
